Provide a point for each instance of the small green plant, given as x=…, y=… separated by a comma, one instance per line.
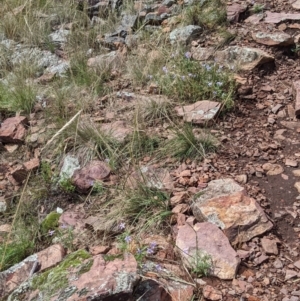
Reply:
x=98, y=187
x=15, y=252
x=186, y=144
x=187, y=80
x=67, y=185
x=257, y=8
x=200, y=263
x=50, y=223
x=46, y=171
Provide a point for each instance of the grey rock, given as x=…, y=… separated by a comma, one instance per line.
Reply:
x=185, y=35
x=59, y=36
x=155, y=19
x=70, y=164
x=278, y=264
x=3, y=205
x=129, y=21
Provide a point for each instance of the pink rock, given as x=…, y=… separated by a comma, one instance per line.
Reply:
x=211, y=293
x=280, y=17
x=234, y=10
x=296, y=92
x=208, y=239
x=99, y=250
x=226, y=204
x=17, y=274
x=32, y=164
x=118, y=130
x=199, y=112
x=85, y=177
x=13, y=130
x=269, y=246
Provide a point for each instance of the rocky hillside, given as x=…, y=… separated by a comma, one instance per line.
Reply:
x=149, y=150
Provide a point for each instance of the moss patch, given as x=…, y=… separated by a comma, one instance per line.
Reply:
x=51, y=282
x=50, y=222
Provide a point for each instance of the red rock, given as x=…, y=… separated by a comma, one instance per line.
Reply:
x=209, y=239
x=296, y=92
x=13, y=129
x=226, y=204
x=32, y=164
x=179, y=291
x=180, y=208
x=200, y=112
x=211, y=293
x=234, y=10
x=85, y=177
x=273, y=39
x=17, y=274
x=292, y=163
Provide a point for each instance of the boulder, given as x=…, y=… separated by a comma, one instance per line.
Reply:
x=207, y=238
x=244, y=58
x=234, y=10
x=273, y=39
x=226, y=204
x=184, y=35
x=200, y=112
x=13, y=129
x=85, y=177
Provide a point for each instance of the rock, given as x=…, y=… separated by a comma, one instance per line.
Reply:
x=276, y=108
x=297, y=186
x=59, y=36
x=296, y=93
x=209, y=239
x=11, y=147
x=255, y=19
x=289, y=274
x=276, y=18
x=273, y=39
x=292, y=163
x=201, y=53
x=259, y=260
x=273, y=169
x=15, y=275
x=200, y=112
x=297, y=264
x=85, y=177
x=269, y=246
x=243, y=57
x=32, y=164
x=3, y=205
x=241, y=179
x=184, y=35
x=118, y=130
x=155, y=19
x=99, y=250
x=6, y=228
x=278, y=264
x=69, y=166
x=226, y=204
x=13, y=130
x=211, y=293
x=296, y=4
x=234, y=10
x=19, y=174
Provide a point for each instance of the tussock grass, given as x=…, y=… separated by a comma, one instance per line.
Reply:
x=187, y=144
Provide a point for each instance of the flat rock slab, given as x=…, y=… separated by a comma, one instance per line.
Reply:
x=118, y=130
x=244, y=58
x=296, y=93
x=226, y=204
x=13, y=130
x=85, y=177
x=273, y=39
x=276, y=18
x=208, y=239
x=200, y=112
x=17, y=274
